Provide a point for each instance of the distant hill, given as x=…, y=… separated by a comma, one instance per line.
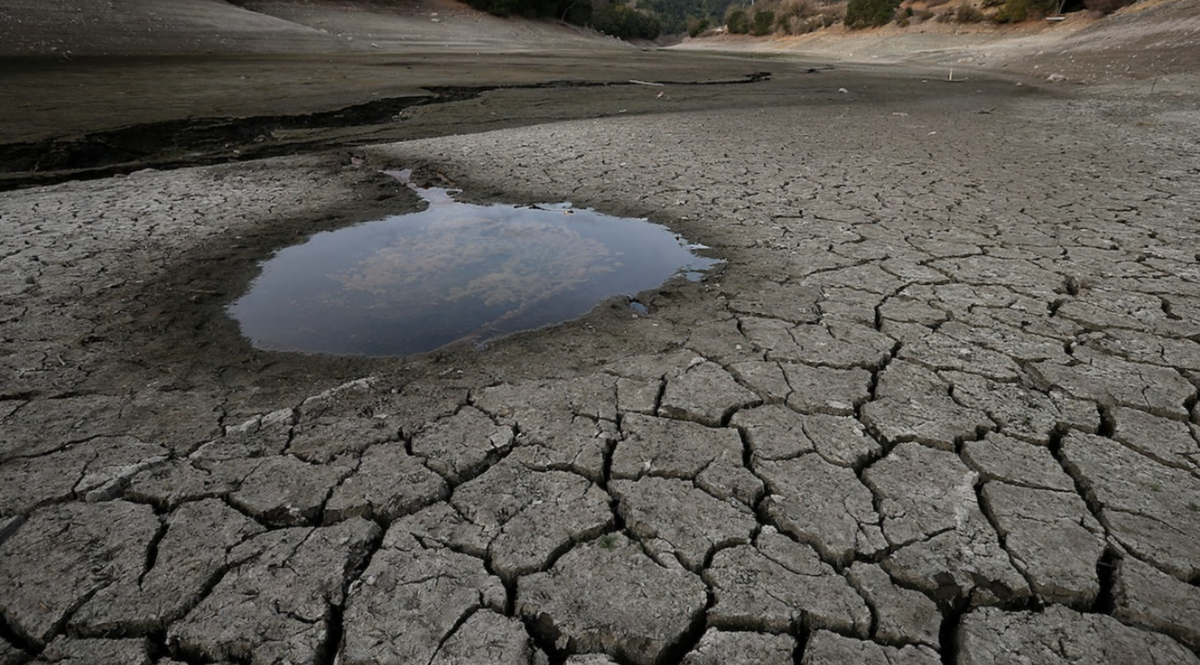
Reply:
x=1151, y=38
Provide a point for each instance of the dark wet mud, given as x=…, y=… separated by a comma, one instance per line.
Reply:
x=201, y=141
x=141, y=121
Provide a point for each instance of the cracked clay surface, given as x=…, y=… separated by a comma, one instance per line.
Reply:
x=939, y=406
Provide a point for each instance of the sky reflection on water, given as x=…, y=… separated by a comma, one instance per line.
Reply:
x=453, y=272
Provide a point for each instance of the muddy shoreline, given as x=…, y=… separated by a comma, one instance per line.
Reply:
x=180, y=309
x=83, y=153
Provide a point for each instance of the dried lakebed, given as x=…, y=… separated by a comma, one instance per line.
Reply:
x=939, y=407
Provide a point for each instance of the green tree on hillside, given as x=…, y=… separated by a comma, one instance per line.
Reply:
x=612, y=17
x=764, y=21
x=623, y=21
x=869, y=13
x=737, y=22
x=1015, y=11
x=678, y=16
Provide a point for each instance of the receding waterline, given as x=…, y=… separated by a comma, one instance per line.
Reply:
x=453, y=272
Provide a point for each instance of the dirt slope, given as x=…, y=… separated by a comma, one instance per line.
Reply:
x=143, y=27
x=439, y=24
x=1158, y=37
x=74, y=28
x=1154, y=39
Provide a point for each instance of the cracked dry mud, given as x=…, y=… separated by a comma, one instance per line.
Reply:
x=940, y=406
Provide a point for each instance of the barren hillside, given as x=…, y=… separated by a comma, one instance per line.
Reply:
x=1148, y=40
x=73, y=28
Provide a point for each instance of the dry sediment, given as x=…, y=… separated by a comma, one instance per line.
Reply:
x=939, y=406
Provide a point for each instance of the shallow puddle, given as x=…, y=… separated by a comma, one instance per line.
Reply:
x=453, y=272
